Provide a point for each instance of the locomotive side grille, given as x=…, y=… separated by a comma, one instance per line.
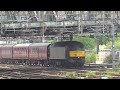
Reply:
x=77, y=53
x=57, y=53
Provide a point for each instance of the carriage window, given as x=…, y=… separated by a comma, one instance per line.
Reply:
x=19, y=50
x=44, y=50
x=34, y=50
x=31, y=50
x=39, y=50
x=8, y=51
x=24, y=51
x=16, y=51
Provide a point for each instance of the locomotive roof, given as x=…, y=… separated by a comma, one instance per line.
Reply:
x=68, y=43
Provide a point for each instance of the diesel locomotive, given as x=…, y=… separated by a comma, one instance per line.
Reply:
x=62, y=54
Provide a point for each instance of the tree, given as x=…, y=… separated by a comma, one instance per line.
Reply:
x=89, y=43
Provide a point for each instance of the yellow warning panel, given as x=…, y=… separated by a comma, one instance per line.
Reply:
x=77, y=53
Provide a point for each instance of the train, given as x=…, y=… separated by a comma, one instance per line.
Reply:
x=58, y=54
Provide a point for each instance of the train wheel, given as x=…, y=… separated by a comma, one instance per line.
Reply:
x=54, y=64
x=7, y=62
x=10, y=62
x=16, y=62
x=44, y=64
x=32, y=63
x=37, y=63
x=27, y=62
x=82, y=66
x=24, y=62
x=0, y=61
x=3, y=61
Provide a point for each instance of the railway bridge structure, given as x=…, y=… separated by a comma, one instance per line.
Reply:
x=53, y=22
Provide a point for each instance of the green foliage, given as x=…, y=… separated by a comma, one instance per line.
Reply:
x=19, y=41
x=51, y=41
x=117, y=44
x=91, y=58
x=103, y=40
x=70, y=74
x=98, y=74
x=89, y=43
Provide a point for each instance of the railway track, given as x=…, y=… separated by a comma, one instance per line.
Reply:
x=28, y=74
x=36, y=72
x=97, y=66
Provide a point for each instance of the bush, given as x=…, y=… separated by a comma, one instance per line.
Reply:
x=117, y=44
x=51, y=41
x=91, y=58
x=103, y=40
x=108, y=59
x=89, y=43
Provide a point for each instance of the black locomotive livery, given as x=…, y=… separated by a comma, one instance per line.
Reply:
x=67, y=53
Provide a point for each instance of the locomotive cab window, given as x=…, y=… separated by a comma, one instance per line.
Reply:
x=76, y=48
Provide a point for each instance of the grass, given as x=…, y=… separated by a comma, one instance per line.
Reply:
x=107, y=73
